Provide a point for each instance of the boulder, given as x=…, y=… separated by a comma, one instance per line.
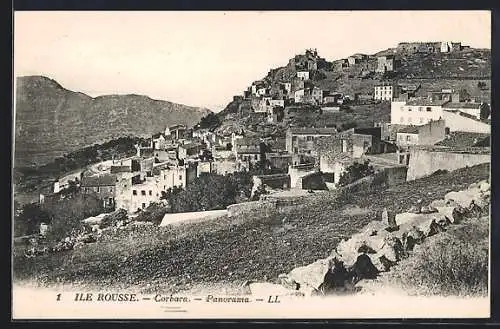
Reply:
x=348, y=250
x=411, y=238
x=453, y=214
x=464, y=198
x=96, y=220
x=438, y=203
x=474, y=185
x=429, y=224
x=336, y=279
x=288, y=282
x=363, y=268
x=484, y=186
x=383, y=264
x=415, y=209
x=114, y=217
x=428, y=210
x=426, y=223
x=391, y=249
x=474, y=210
x=406, y=217
x=312, y=274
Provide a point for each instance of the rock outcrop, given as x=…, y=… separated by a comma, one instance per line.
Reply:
x=383, y=243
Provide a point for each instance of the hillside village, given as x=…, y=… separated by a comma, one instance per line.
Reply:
x=290, y=133
x=305, y=158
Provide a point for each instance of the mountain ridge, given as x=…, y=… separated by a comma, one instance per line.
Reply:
x=51, y=120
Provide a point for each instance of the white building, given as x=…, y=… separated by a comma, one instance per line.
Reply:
x=288, y=87
x=416, y=111
x=303, y=75
x=299, y=95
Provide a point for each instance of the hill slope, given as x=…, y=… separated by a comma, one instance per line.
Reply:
x=434, y=71
x=51, y=120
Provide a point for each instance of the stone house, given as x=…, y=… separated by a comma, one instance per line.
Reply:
x=386, y=63
x=176, y=131
x=303, y=140
x=190, y=150
x=103, y=186
x=427, y=134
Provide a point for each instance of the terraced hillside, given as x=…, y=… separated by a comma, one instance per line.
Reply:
x=231, y=250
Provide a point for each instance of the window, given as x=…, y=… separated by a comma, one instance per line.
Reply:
x=420, y=109
x=180, y=177
x=309, y=138
x=143, y=205
x=97, y=189
x=143, y=192
x=294, y=138
x=408, y=138
x=428, y=109
x=409, y=109
x=150, y=192
x=134, y=192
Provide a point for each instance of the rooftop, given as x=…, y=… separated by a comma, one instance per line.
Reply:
x=409, y=130
x=462, y=105
x=312, y=131
x=424, y=101
x=464, y=139
x=249, y=151
x=101, y=180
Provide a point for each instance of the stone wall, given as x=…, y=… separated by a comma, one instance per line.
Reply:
x=312, y=181
x=425, y=162
x=247, y=208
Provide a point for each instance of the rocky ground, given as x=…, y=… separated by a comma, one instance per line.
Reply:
x=230, y=251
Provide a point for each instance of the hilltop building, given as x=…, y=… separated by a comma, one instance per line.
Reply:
x=386, y=63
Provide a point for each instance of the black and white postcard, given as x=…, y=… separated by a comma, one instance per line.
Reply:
x=251, y=164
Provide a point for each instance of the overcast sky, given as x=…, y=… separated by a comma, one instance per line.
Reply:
x=204, y=58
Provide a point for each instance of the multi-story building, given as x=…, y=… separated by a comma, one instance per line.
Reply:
x=386, y=92
x=386, y=63
x=416, y=111
x=190, y=150
x=419, y=111
x=176, y=131
x=104, y=186
x=138, y=190
x=428, y=134
x=303, y=140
